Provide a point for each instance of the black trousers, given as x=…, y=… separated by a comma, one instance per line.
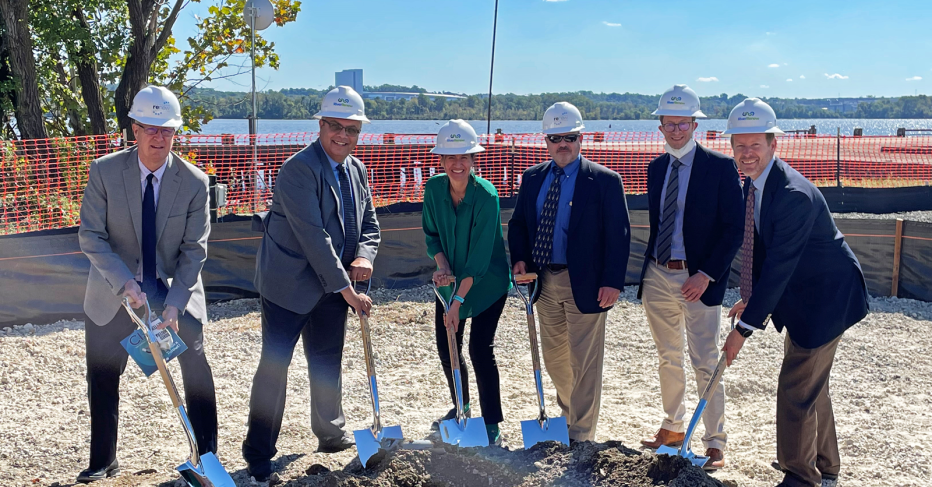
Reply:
x=106, y=361
x=322, y=331
x=482, y=353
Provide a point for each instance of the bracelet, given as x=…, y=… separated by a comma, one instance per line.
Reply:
x=461, y=299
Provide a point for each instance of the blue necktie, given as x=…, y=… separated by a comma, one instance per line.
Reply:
x=349, y=217
x=543, y=245
x=149, y=276
x=665, y=237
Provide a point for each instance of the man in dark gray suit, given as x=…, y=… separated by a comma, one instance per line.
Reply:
x=144, y=226
x=320, y=235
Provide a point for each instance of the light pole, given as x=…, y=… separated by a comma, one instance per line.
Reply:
x=258, y=14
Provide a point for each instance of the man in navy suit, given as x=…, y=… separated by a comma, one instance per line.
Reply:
x=580, y=276
x=805, y=277
x=696, y=224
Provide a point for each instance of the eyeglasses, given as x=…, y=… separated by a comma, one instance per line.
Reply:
x=166, y=131
x=683, y=126
x=555, y=139
x=337, y=128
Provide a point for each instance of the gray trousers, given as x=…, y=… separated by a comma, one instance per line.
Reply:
x=806, y=443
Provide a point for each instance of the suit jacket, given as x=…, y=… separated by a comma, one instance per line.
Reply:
x=804, y=273
x=599, y=231
x=299, y=257
x=713, y=217
x=110, y=234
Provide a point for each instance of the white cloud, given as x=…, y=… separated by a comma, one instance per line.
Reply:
x=610, y=24
x=835, y=76
x=914, y=78
x=706, y=80
x=774, y=65
x=788, y=79
x=764, y=86
x=802, y=76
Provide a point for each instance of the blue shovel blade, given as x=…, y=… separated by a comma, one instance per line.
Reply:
x=471, y=432
x=208, y=474
x=554, y=429
x=368, y=446
x=697, y=460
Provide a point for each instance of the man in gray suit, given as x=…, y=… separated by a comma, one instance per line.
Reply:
x=320, y=235
x=144, y=226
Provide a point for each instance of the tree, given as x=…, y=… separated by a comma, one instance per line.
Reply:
x=17, y=41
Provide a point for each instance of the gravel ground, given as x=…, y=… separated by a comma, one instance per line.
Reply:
x=916, y=216
x=881, y=387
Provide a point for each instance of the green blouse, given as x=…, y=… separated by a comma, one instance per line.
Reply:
x=470, y=236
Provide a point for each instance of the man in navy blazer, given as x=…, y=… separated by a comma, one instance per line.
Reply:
x=805, y=277
x=570, y=225
x=696, y=225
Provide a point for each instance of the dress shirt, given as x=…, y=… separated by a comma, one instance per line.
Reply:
x=144, y=172
x=759, y=191
x=564, y=206
x=677, y=247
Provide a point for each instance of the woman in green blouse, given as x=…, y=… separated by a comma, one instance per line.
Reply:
x=463, y=228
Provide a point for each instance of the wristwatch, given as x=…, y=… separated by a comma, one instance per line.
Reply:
x=459, y=298
x=744, y=332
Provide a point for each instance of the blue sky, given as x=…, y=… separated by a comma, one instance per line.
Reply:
x=786, y=48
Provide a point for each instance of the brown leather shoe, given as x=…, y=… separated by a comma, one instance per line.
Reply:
x=716, y=459
x=664, y=437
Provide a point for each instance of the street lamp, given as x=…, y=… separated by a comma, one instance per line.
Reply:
x=258, y=15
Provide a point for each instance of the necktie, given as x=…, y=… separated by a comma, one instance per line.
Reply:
x=543, y=245
x=149, y=276
x=349, y=217
x=668, y=216
x=747, y=247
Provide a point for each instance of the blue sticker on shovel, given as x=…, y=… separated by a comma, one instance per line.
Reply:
x=138, y=348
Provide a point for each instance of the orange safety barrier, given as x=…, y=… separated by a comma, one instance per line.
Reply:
x=42, y=181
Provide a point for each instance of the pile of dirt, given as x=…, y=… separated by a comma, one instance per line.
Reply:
x=549, y=463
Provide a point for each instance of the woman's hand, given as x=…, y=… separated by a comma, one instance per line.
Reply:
x=452, y=318
x=443, y=277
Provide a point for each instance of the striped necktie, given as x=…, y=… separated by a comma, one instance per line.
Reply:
x=349, y=217
x=668, y=217
x=747, y=247
x=543, y=244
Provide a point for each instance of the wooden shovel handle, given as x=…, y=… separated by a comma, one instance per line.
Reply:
x=530, y=276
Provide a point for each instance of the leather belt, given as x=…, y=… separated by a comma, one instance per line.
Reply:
x=676, y=265
x=556, y=267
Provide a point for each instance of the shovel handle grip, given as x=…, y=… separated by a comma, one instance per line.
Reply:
x=530, y=276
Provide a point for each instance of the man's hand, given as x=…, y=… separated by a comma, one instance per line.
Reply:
x=169, y=318
x=694, y=287
x=520, y=268
x=608, y=296
x=443, y=277
x=733, y=345
x=452, y=318
x=136, y=297
x=737, y=310
x=360, y=302
x=360, y=269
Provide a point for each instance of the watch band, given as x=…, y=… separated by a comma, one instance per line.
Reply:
x=744, y=332
x=461, y=299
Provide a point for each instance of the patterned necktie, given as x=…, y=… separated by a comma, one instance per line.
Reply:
x=543, y=245
x=747, y=247
x=668, y=218
x=349, y=217
x=149, y=276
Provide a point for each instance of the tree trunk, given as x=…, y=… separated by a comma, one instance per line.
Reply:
x=75, y=117
x=85, y=58
x=29, y=119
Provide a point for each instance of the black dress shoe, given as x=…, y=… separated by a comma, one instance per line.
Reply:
x=260, y=472
x=87, y=476
x=337, y=445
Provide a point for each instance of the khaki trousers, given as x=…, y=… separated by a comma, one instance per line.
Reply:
x=573, y=346
x=806, y=443
x=669, y=315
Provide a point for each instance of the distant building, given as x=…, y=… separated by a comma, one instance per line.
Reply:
x=351, y=78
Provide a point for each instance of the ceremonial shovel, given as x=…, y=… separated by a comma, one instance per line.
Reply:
x=374, y=441
x=461, y=431
x=543, y=428
x=199, y=470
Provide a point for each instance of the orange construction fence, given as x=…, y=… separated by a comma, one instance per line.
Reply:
x=42, y=181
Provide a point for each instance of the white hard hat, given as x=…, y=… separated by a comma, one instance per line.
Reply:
x=342, y=102
x=457, y=137
x=752, y=116
x=155, y=105
x=679, y=101
x=562, y=118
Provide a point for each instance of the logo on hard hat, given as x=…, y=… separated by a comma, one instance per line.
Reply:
x=455, y=138
x=343, y=102
x=675, y=100
x=748, y=114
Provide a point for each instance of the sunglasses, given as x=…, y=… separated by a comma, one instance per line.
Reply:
x=683, y=126
x=166, y=131
x=555, y=139
x=337, y=128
